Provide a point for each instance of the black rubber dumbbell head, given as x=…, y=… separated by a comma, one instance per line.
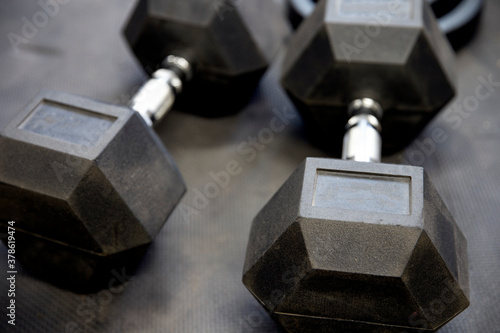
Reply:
x=357, y=247
x=88, y=184
x=398, y=58
x=229, y=45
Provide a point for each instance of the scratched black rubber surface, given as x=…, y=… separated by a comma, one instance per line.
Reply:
x=190, y=278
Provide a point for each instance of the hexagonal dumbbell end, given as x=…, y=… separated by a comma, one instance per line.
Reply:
x=228, y=43
x=88, y=184
x=389, y=51
x=357, y=247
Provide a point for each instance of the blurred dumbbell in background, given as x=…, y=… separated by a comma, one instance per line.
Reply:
x=398, y=133
x=227, y=44
x=457, y=19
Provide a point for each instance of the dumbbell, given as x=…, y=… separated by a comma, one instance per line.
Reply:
x=458, y=19
x=318, y=57
x=88, y=184
x=354, y=245
x=227, y=43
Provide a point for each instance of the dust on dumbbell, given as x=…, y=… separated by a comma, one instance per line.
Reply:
x=83, y=130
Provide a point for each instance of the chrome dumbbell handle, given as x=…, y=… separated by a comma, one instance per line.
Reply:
x=362, y=140
x=157, y=95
